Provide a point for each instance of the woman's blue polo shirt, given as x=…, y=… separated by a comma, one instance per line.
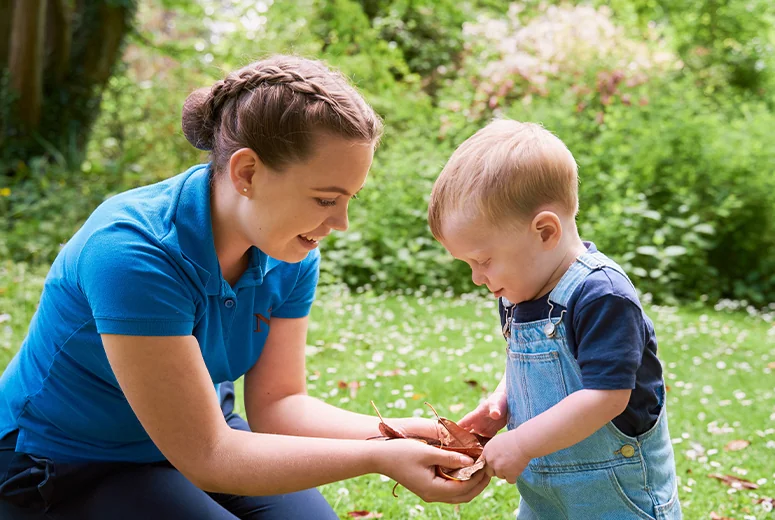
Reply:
x=144, y=263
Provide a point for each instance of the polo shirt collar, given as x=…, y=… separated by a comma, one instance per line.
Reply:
x=195, y=236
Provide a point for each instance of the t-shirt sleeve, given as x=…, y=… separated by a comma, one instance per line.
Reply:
x=610, y=341
x=299, y=302
x=133, y=286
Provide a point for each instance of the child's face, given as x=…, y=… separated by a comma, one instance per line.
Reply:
x=513, y=262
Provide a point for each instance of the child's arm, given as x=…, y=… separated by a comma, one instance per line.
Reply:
x=568, y=422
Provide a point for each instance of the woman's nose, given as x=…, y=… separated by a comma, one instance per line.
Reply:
x=339, y=221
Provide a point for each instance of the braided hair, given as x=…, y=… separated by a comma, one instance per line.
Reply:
x=275, y=107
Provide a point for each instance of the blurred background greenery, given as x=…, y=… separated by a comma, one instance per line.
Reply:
x=667, y=106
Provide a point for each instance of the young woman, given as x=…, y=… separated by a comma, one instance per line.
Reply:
x=120, y=402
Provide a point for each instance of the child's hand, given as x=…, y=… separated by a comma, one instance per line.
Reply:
x=504, y=458
x=489, y=417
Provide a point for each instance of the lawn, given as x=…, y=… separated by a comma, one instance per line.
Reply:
x=403, y=350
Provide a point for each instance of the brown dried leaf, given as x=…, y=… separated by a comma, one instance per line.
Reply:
x=766, y=500
x=364, y=514
x=454, y=436
x=473, y=383
x=482, y=439
x=461, y=473
x=386, y=430
x=389, y=432
x=734, y=482
x=458, y=436
x=473, y=451
x=737, y=445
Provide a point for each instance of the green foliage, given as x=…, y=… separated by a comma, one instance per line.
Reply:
x=675, y=184
x=673, y=151
x=724, y=43
x=388, y=245
x=427, y=32
x=45, y=203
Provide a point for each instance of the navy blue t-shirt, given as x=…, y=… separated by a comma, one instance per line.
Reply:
x=612, y=340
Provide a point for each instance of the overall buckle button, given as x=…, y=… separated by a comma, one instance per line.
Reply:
x=627, y=451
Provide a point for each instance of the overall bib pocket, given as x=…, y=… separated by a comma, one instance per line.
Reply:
x=535, y=383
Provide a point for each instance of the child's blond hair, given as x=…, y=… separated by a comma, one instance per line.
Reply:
x=507, y=170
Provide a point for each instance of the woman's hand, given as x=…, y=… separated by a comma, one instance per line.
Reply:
x=416, y=427
x=412, y=464
x=489, y=417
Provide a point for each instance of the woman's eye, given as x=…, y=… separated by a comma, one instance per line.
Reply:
x=326, y=203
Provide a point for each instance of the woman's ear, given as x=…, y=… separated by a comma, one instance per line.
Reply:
x=245, y=171
x=548, y=227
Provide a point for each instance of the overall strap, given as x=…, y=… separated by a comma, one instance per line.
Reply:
x=585, y=264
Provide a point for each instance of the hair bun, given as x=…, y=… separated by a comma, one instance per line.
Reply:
x=197, y=121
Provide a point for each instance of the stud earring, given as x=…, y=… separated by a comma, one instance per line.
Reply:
x=244, y=190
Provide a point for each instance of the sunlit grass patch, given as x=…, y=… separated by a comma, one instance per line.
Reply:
x=403, y=350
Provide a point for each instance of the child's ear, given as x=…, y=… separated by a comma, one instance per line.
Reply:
x=548, y=227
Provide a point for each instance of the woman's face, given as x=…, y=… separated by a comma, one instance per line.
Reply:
x=291, y=211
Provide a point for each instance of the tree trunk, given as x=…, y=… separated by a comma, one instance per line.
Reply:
x=62, y=55
x=58, y=42
x=6, y=12
x=26, y=61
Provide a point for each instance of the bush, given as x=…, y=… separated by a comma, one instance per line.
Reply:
x=427, y=32
x=727, y=45
x=389, y=245
x=675, y=184
x=44, y=204
x=675, y=165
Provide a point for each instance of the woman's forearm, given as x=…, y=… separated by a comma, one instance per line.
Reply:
x=303, y=415
x=248, y=463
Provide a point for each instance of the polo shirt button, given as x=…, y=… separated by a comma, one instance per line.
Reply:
x=229, y=303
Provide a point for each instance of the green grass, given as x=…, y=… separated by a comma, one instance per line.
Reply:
x=407, y=349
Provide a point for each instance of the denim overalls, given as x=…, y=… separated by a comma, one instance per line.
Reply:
x=607, y=476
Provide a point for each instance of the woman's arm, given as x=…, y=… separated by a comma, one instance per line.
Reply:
x=167, y=384
x=276, y=397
